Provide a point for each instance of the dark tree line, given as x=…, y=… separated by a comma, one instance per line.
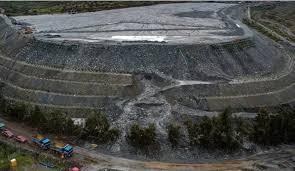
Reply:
x=273, y=129
x=216, y=132
x=220, y=132
x=227, y=132
x=97, y=127
x=53, y=122
x=142, y=137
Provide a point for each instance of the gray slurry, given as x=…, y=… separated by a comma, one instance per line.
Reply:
x=169, y=23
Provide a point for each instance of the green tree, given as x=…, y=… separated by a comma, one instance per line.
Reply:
x=243, y=129
x=141, y=137
x=55, y=123
x=216, y=132
x=174, y=134
x=262, y=128
x=98, y=128
x=223, y=135
x=70, y=128
x=37, y=118
x=275, y=128
x=18, y=112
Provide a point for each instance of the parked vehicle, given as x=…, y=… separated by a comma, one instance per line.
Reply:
x=47, y=165
x=41, y=141
x=64, y=150
x=2, y=126
x=7, y=133
x=21, y=139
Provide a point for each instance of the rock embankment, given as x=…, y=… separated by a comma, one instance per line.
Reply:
x=74, y=92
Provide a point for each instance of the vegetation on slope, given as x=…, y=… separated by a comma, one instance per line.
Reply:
x=8, y=152
x=223, y=132
x=216, y=132
x=229, y=133
x=279, y=16
x=142, y=138
x=50, y=7
x=274, y=129
x=97, y=127
x=174, y=134
x=261, y=29
x=27, y=160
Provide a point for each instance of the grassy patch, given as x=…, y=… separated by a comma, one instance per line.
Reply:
x=277, y=16
x=261, y=30
x=7, y=153
x=35, y=8
x=26, y=160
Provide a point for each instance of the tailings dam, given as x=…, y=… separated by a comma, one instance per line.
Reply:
x=143, y=64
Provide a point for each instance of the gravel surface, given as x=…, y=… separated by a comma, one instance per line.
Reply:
x=172, y=23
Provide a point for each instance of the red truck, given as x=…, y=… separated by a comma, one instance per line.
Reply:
x=21, y=139
x=7, y=133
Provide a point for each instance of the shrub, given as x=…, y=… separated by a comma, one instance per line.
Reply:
x=174, y=134
x=261, y=29
x=142, y=137
x=97, y=125
x=37, y=118
x=261, y=131
x=273, y=129
x=199, y=133
x=243, y=128
x=217, y=132
x=55, y=123
x=71, y=128
x=98, y=128
x=17, y=112
x=223, y=134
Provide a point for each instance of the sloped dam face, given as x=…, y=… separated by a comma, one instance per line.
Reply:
x=143, y=64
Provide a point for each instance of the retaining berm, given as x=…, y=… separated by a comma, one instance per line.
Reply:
x=77, y=76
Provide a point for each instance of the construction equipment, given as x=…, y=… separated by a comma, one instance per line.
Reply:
x=13, y=163
x=65, y=150
x=41, y=141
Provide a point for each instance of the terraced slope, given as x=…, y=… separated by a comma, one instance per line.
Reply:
x=200, y=42
x=244, y=73
x=239, y=93
x=61, y=88
x=56, y=88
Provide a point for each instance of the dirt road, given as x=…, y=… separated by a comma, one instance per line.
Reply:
x=280, y=158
